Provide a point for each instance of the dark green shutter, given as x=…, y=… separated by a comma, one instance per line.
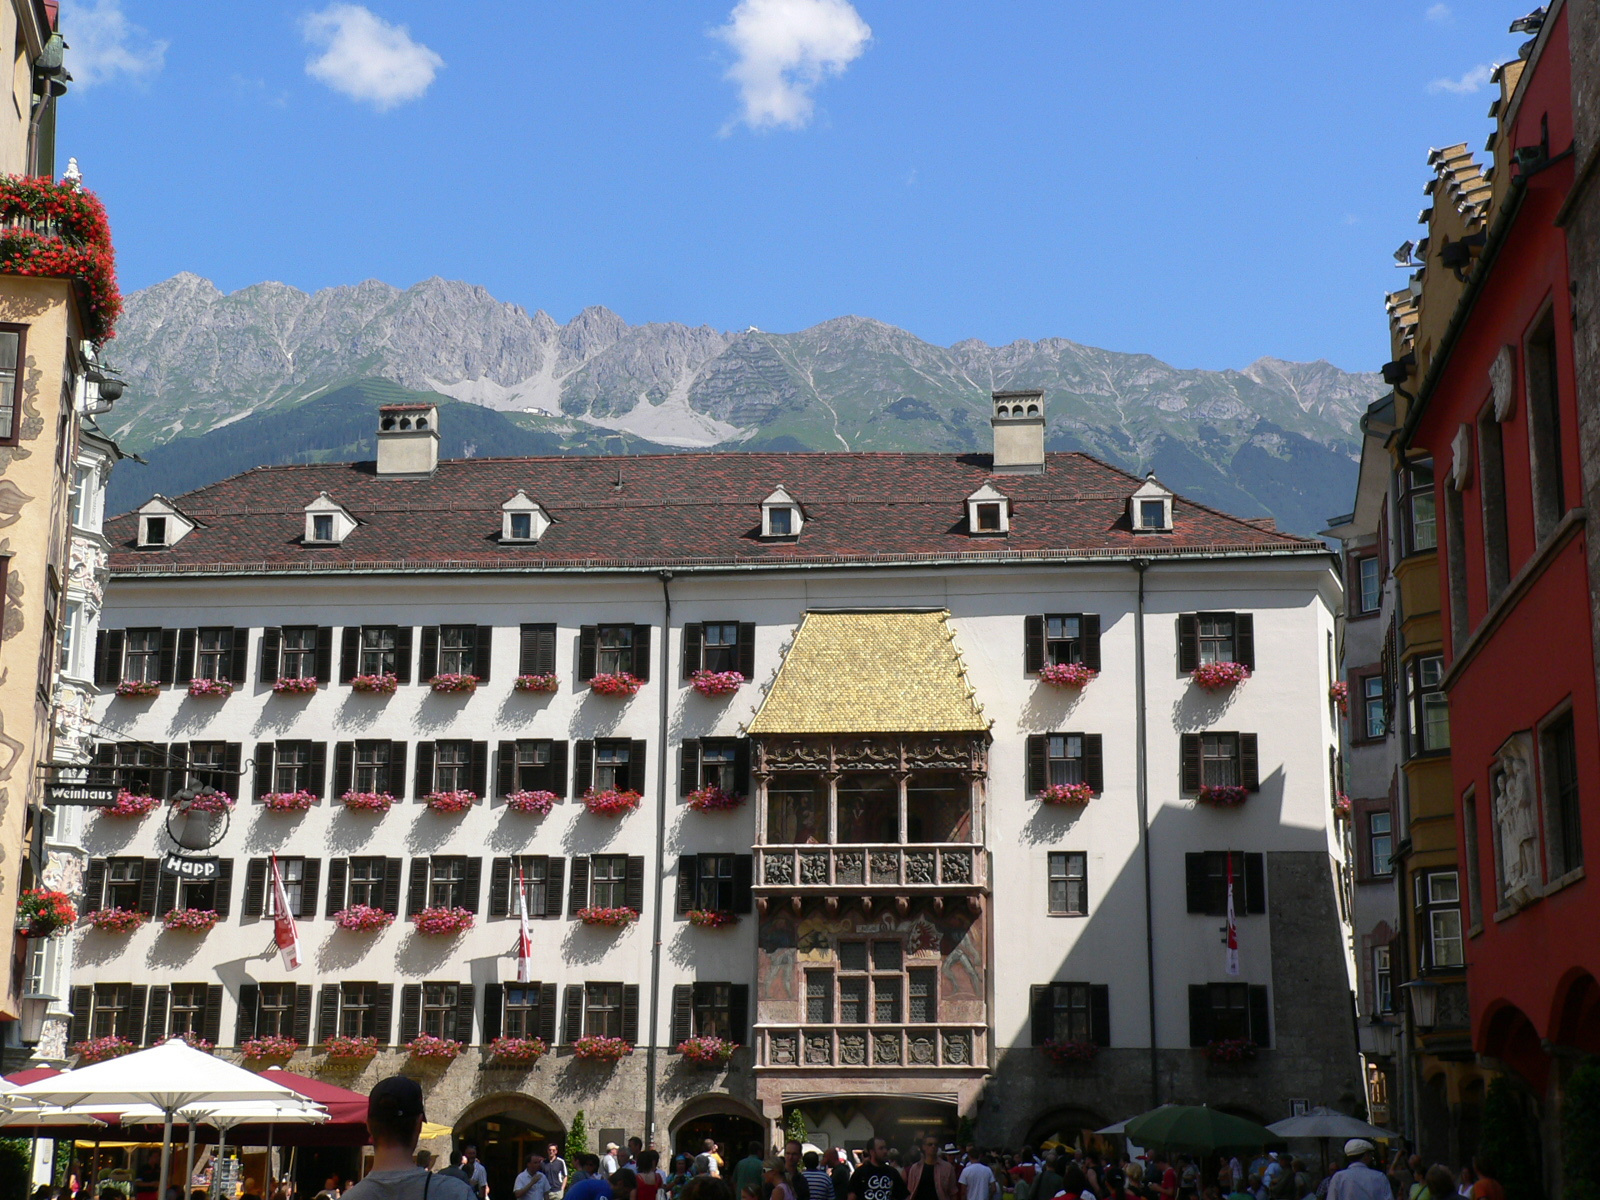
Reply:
x=1090, y=629
x=395, y=775
x=1188, y=643
x=1039, y=1008
x=466, y=1001
x=82, y=1005
x=638, y=755
x=483, y=651
x=1189, y=744
x=1093, y=763
x=402, y=654
x=323, y=662
x=383, y=1013
x=1032, y=644
x=249, y=1002
x=302, y=1013
x=410, y=1012
x=1260, y=1015
x=317, y=781
x=505, y=775
x=480, y=769
x=155, y=1019
x=738, y=1012
x=349, y=653
x=428, y=656
x=588, y=642
x=1199, y=1014
x=211, y=1018
x=554, y=873
x=224, y=888
x=693, y=637
x=583, y=775
x=94, y=885
x=474, y=885
x=537, y=651
x=633, y=883
x=424, y=778
x=1100, y=1014
x=493, y=1011
x=547, y=1013
x=328, y=1013
x=578, y=894
x=393, y=867
x=572, y=1019
x=682, y=1013
x=744, y=867
x=641, y=652
x=1244, y=639
x=344, y=767
x=688, y=874
x=1038, y=763
x=336, y=881
x=556, y=780
x=166, y=892
x=689, y=766
x=1249, y=763
x=239, y=668
x=1196, y=880
x=741, y=766
x=183, y=663
x=747, y=649
x=417, y=890
x=149, y=873
x=630, y=1012
x=500, y=888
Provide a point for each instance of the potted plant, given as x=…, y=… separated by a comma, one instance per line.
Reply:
x=517, y=1051
x=537, y=683
x=442, y=922
x=59, y=230
x=289, y=801
x=363, y=918
x=1067, y=675
x=612, y=918
x=454, y=683
x=707, y=1051
x=215, y=802
x=219, y=689
x=1076, y=794
x=137, y=689
x=537, y=803
x=301, y=686
x=601, y=1049
x=1223, y=795
x=711, y=918
x=1230, y=1050
x=351, y=1049
x=377, y=802
x=428, y=1048
x=618, y=684
x=1339, y=693
x=116, y=920
x=451, y=802
x=711, y=798
x=612, y=802
x=99, y=1049
x=269, y=1047
x=716, y=683
x=130, y=804
x=43, y=913
x=1218, y=676
x=1070, y=1053
x=1342, y=806
x=381, y=685
x=190, y=920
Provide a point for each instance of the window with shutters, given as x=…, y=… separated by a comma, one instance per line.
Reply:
x=532, y=766
x=819, y=996
x=714, y=882
x=608, y=880
x=1216, y=640
x=1229, y=1011
x=522, y=1011
x=938, y=807
x=275, y=1010
x=1063, y=638
x=869, y=807
x=372, y=767
x=1382, y=981
x=293, y=873
x=124, y=878
x=365, y=881
x=113, y=1012
x=458, y=646
x=720, y=646
x=1071, y=1016
x=537, y=650
x=1206, y=882
x=209, y=766
x=614, y=650
x=612, y=766
x=141, y=769
x=1064, y=760
x=358, y=1009
x=797, y=810
x=199, y=895
x=447, y=881
x=719, y=766
x=1219, y=759
x=12, y=338
x=603, y=1010
x=377, y=655
x=713, y=1010
x=452, y=766
x=186, y=1009
x=298, y=656
x=1069, y=886
x=213, y=654
x=141, y=656
x=291, y=767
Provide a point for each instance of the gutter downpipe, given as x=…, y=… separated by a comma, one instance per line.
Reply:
x=661, y=844
x=1142, y=794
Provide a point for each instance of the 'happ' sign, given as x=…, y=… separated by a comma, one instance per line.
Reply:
x=190, y=868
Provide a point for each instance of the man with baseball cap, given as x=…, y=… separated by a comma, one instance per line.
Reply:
x=394, y=1119
x=1358, y=1181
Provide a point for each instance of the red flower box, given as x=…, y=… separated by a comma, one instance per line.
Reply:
x=1339, y=693
x=295, y=687
x=216, y=802
x=1342, y=807
x=537, y=803
x=64, y=234
x=611, y=803
x=522, y=1052
x=102, y=1048
x=190, y=920
x=351, y=1049
x=42, y=913
x=219, y=688
x=454, y=683
x=1067, y=675
x=271, y=1046
x=443, y=922
x=1069, y=1053
x=433, y=1049
x=1223, y=795
x=1066, y=793
x=137, y=689
x=130, y=805
x=381, y=685
x=1214, y=677
x=707, y=1051
x=1230, y=1050
x=362, y=918
x=537, y=683
x=378, y=802
x=452, y=802
x=288, y=801
x=614, y=918
x=621, y=684
x=116, y=920
x=712, y=799
x=711, y=918
x=716, y=683
x=601, y=1049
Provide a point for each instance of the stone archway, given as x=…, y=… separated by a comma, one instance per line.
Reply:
x=1575, y=1015
x=505, y=1127
x=1067, y=1124
x=1508, y=1034
x=731, y=1123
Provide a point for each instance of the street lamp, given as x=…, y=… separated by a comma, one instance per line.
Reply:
x=1424, y=994
x=34, y=1007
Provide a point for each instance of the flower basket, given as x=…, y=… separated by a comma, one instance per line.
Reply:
x=135, y=689
x=451, y=802
x=381, y=685
x=378, y=802
x=188, y=1038
x=537, y=803
x=363, y=918
x=517, y=1051
x=614, y=918
x=1342, y=807
x=537, y=683
x=443, y=922
x=130, y=805
x=288, y=801
x=1223, y=795
x=1067, y=675
x=1077, y=794
x=716, y=683
x=59, y=230
x=454, y=683
x=711, y=918
x=116, y=920
x=42, y=913
x=1231, y=1050
x=1070, y=1053
x=295, y=687
x=610, y=803
x=271, y=1046
x=1339, y=693
x=216, y=802
x=707, y=1051
x=428, y=1048
x=190, y=920
x=621, y=684
x=102, y=1048
x=601, y=1049
x=218, y=688
x=351, y=1049
x=1217, y=676
x=711, y=798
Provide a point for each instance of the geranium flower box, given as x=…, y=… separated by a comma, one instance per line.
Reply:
x=454, y=683
x=130, y=804
x=44, y=913
x=1218, y=676
x=219, y=689
x=707, y=1051
x=188, y=1038
x=711, y=918
x=613, y=802
x=452, y=802
x=1339, y=693
x=1076, y=794
x=216, y=802
x=351, y=1049
x=190, y=920
x=381, y=685
x=363, y=918
x=517, y=1051
x=620, y=684
x=1067, y=675
x=289, y=801
x=716, y=683
x=601, y=1049
x=1230, y=1050
x=1070, y=1053
x=59, y=230
x=137, y=689
x=101, y=1049
x=428, y=1048
x=1223, y=795
x=537, y=803
x=613, y=918
x=1342, y=807
x=537, y=683
x=116, y=920
x=711, y=798
x=377, y=802
x=442, y=922
x=271, y=1046
x=286, y=686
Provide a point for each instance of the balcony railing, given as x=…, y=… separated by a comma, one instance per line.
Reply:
x=813, y=1045
x=941, y=867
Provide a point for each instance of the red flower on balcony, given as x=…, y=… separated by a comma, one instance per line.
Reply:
x=1066, y=793
x=271, y=1046
x=537, y=803
x=1223, y=795
x=216, y=802
x=116, y=920
x=711, y=918
x=351, y=1049
x=102, y=1048
x=59, y=230
x=1339, y=693
x=137, y=689
x=517, y=1051
x=454, y=683
x=221, y=689
x=537, y=683
x=711, y=798
x=363, y=918
x=1070, y=1053
x=378, y=802
x=381, y=685
x=1216, y=676
x=612, y=802
x=707, y=1051
x=601, y=1049
x=1230, y=1050
x=295, y=687
x=42, y=913
x=619, y=684
x=612, y=918
x=433, y=1049
x=129, y=804
x=452, y=802
x=716, y=683
x=288, y=801
x=190, y=920
x=1067, y=675
x=442, y=922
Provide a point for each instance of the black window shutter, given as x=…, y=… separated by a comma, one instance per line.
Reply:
x=383, y=1013
x=1100, y=1014
x=1090, y=629
x=1094, y=773
x=1255, y=883
x=177, y=768
x=682, y=1013
x=108, y=657
x=105, y=757
x=224, y=887
x=1032, y=644
x=583, y=776
x=302, y=1013
x=239, y=669
x=402, y=654
x=688, y=766
x=424, y=777
x=410, y=1012
x=167, y=664
x=747, y=649
x=1189, y=744
x=392, y=869
x=1244, y=639
x=554, y=874
x=693, y=635
x=480, y=768
x=547, y=1013
x=1038, y=764
x=1188, y=643
x=82, y=1005
x=483, y=651
x=138, y=995
x=641, y=652
x=336, y=878
x=738, y=1012
x=263, y=770
x=505, y=774
x=466, y=1001
x=1249, y=763
x=500, y=888
x=578, y=893
x=633, y=883
x=688, y=875
x=474, y=884
x=417, y=890
x=397, y=770
x=538, y=650
x=744, y=869
x=741, y=766
x=233, y=764
x=94, y=885
x=324, y=655
x=155, y=1015
x=1199, y=1014
x=350, y=653
x=183, y=666
x=556, y=780
x=328, y=1013
x=249, y=1002
x=310, y=888
x=1260, y=1016
x=271, y=647
x=572, y=1019
x=317, y=775
x=166, y=892
x=637, y=752
x=428, y=657
x=148, y=875
x=493, y=1011
x=1196, y=883
x=630, y=1012
x=1039, y=997
x=588, y=639
x=211, y=1018
x=344, y=767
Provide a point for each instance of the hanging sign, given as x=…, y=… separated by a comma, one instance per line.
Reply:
x=190, y=868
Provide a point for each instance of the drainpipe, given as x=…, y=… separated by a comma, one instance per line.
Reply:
x=661, y=862
x=1142, y=795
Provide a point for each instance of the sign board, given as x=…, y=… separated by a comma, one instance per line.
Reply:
x=190, y=868
x=89, y=795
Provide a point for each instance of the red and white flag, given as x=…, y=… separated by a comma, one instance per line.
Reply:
x=1233, y=925
x=284, y=931
x=524, y=938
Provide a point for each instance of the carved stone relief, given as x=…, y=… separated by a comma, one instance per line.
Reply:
x=1516, y=820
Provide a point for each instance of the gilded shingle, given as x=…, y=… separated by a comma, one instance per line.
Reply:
x=871, y=672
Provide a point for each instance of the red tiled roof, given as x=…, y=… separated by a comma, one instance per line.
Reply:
x=675, y=509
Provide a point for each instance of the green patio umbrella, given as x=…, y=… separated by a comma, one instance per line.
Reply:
x=1196, y=1127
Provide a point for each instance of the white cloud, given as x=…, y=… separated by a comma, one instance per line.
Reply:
x=1440, y=14
x=367, y=58
x=785, y=48
x=1472, y=81
x=102, y=44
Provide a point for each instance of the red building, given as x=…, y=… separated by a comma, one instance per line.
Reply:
x=1498, y=412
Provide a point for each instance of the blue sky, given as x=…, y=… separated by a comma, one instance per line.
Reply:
x=1207, y=183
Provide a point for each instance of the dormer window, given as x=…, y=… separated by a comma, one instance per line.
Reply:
x=781, y=516
x=1152, y=514
x=988, y=511
x=154, y=532
x=322, y=527
x=780, y=522
x=328, y=522
x=161, y=525
x=1150, y=508
x=522, y=519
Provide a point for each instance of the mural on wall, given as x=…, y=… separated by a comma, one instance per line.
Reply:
x=32, y=424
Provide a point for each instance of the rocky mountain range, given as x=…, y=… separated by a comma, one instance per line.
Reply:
x=1275, y=438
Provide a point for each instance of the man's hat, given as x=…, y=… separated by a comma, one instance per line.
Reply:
x=395, y=1101
x=1356, y=1147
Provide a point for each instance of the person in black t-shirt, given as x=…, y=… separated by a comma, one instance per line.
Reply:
x=875, y=1179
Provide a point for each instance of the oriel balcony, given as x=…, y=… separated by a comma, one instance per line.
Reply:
x=933, y=868
x=831, y=1045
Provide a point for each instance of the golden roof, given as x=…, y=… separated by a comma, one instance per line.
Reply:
x=871, y=672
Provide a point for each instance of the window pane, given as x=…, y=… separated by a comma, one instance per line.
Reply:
x=1443, y=888
x=886, y=999
x=869, y=807
x=853, y=1001
x=797, y=809
x=887, y=956
x=1370, y=585
x=819, y=995
x=853, y=956
x=1446, y=930
x=923, y=983
x=938, y=807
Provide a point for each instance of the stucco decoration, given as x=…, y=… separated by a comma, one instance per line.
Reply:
x=1516, y=822
x=53, y=1038
x=63, y=872
x=1461, y=458
x=1502, y=382
x=32, y=424
x=87, y=564
x=10, y=752
x=14, y=620
x=74, y=729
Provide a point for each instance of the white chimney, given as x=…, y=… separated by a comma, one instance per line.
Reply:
x=1018, y=424
x=408, y=439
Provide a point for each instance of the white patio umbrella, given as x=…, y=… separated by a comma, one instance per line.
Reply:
x=1327, y=1124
